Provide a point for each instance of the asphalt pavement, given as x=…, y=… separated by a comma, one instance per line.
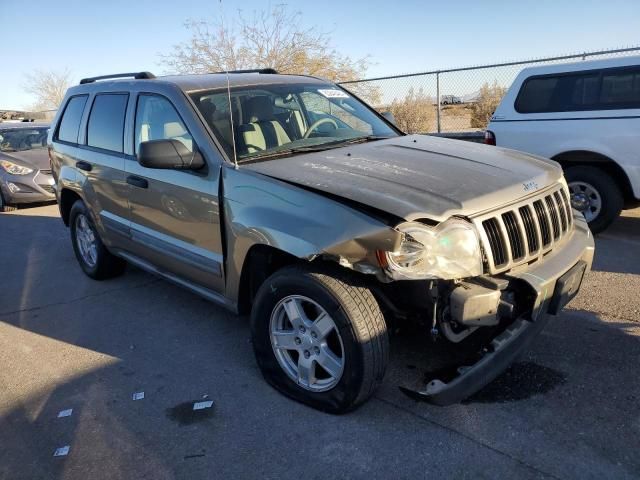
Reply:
x=570, y=408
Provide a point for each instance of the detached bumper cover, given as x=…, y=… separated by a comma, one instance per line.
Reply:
x=503, y=350
x=507, y=346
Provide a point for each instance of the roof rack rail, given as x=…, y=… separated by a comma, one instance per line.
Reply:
x=254, y=70
x=136, y=75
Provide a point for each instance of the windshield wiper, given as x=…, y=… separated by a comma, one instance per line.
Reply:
x=348, y=141
x=314, y=148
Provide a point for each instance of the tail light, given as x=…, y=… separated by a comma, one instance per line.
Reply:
x=489, y=138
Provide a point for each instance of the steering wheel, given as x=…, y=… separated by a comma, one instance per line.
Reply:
x=317, y=123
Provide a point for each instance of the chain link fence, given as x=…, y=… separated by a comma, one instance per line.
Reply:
x=456, y=99
x=27, y=116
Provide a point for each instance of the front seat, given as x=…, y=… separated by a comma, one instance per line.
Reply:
x=263, y=131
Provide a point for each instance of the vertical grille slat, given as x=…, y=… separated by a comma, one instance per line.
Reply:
x=515, y=241
x=553, y=212
x=496, y=242
x=543, y=220
x=567, y=206
x=527, y=230
x=563, y=215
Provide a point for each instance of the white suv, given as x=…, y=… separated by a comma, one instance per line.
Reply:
x=586, y=116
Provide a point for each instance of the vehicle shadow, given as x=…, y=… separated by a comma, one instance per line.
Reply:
x=69, y=342
x=574, y=391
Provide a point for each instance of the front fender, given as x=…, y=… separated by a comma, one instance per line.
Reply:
x=259, y=210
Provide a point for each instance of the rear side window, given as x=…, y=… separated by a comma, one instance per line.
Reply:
x=622, y=88
x=105, y=128
x=70, y=122
x=606, y=89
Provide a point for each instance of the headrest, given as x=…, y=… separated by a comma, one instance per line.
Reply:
x=260, y=108
x=207, y=107
x=173, y=129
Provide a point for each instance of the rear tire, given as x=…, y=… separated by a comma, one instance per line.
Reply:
x=94, y=258
x=591, y=184
x=362, y=343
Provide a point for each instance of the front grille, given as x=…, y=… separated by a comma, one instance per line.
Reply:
x=521, y=233
x=47, y=188
x=45, y=172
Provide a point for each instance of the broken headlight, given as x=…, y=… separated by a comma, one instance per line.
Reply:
x=447, y=251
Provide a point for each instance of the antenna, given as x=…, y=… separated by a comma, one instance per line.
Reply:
x=233, y=133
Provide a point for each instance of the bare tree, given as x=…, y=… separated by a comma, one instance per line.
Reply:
x=48, y=87
x=414, y=113
x=269, y=39
x=488, y=100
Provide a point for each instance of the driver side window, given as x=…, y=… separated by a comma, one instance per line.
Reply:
x=157, y=119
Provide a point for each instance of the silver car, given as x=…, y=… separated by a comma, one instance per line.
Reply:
x=25, y=172
x=288, y=198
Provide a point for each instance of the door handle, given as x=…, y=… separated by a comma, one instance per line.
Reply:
x=86, y=166
x=137, y=181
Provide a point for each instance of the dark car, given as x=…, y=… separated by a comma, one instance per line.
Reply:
x=25, y=171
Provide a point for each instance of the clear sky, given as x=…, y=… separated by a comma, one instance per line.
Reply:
x=93, y=37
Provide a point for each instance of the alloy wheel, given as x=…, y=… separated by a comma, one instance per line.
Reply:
x=86, y=240
x=307, y=343
x=586, y=199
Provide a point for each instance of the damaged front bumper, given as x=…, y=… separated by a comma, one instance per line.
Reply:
x=555, y=281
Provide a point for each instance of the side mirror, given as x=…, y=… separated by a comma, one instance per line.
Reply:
x=169, y=154
x=389, y=116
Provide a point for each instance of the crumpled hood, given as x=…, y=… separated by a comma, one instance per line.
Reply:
x=418, y=176
x=37, y=158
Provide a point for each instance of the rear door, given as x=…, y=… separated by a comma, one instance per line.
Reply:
x=174, y=214
x=90, y=141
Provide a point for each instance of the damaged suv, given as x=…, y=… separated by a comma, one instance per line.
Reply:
x=287, y=197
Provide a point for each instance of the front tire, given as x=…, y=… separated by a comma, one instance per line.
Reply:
x=595, y=194
x=319, y=337
x=4, y=207
x=94, y=258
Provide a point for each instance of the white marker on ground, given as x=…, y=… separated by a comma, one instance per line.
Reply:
x=62, y=451
x=202, y=405
x=138, y=396
x=65, y=413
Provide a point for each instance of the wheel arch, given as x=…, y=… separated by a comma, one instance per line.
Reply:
x=67, y=198
x=261, y=261
x=594, y=159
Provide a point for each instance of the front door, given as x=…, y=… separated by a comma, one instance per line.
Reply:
x=175, y=223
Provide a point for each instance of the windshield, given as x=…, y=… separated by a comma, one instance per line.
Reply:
x=19, y=139
x=273, y=120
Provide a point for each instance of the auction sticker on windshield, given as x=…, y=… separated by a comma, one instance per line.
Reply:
x=333, y=93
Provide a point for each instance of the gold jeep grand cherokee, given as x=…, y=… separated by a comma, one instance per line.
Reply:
x=288, y=197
